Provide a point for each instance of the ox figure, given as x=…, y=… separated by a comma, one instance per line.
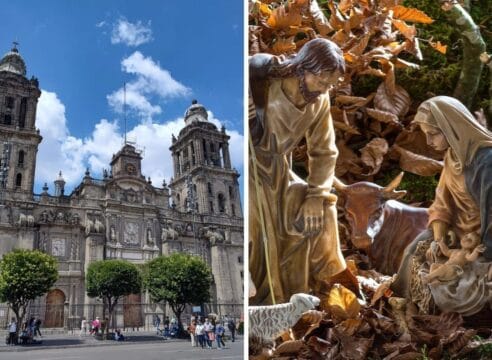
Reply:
x=380, y=225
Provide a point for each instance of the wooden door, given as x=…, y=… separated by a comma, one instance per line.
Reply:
x=55, y=301
x=132, y=311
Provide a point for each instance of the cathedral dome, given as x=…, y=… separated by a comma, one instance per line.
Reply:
x=13, y=62
x=196, y=112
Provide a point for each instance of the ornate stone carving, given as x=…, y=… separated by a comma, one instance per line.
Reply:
x=58, y=247
x=131, y=233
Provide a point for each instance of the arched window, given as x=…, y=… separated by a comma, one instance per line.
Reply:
x=178, y=198
x=7, y=120
x=20, y=160
x=18, y=180
x=211, y=203
x=231, y=192
x=22, y=113
x=221, y=199
x=9, y=102
x=209, y=188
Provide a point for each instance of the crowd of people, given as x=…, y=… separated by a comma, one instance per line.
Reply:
x=204, y=332
x=29, y=330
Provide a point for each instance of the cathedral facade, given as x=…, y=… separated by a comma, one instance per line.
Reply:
x=123, y=215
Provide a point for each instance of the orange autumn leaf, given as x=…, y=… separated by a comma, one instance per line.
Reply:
x=264, y=9
x=439, y=47
x=411, y=14
x=406, y=30
x=342, y=303
x=282, y=19
x=284, y=46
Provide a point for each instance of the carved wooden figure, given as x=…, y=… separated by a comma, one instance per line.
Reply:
x=290, y=101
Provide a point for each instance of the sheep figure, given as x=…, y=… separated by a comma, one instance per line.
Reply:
x=269, y=322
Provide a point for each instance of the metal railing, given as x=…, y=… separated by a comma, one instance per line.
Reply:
x=131, y=316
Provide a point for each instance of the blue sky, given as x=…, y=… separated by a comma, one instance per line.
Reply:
x=168, y=53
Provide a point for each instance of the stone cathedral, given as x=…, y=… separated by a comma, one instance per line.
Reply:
x=123, y=215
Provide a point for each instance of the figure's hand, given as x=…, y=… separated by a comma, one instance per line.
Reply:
x=311, y=212
x=480, y=248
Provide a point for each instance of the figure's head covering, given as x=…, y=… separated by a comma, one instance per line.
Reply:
x=460, y=128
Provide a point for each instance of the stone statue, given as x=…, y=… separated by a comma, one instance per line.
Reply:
x=463, y=204
x=169, y=233
x=289, y=100
x=112, y=234
x=150, y=239
x=214, y=236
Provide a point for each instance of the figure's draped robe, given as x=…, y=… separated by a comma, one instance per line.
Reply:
x=463, y=201
x=297, y=263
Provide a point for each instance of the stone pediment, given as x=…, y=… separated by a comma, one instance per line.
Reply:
x=130, y=190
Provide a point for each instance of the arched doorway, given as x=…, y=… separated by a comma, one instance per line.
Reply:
x=55, y=301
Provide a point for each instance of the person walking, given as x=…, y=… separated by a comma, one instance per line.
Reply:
x=157, y=323
x=191, y=331
x=166, y=327
x=83, y=326
x=12, y=332
x=219, y=333
x=37, y=325
x=231, y=325
x=199, y=332
x=209, y=332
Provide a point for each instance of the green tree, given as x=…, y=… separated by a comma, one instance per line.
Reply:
x=109, y=280
x=179, y=279
x=25, y=275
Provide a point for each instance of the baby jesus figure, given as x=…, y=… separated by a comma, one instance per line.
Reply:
x=457, y=258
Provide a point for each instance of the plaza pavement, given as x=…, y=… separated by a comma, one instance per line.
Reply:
x=138, y=346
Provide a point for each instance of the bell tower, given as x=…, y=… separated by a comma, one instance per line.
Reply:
x=19, y=138
x=204, y=181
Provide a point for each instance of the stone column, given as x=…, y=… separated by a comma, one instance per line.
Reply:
x=226, y=156
x=222, y=274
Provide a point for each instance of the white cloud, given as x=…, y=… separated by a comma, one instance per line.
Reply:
x=151, y=81
x=61, y=151
x=131, y=34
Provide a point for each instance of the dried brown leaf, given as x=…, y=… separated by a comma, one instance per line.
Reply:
x=418, y=164
x=319, y=345
x=408, y=31
x=351, y=100
x=413, y=47
x=347, y=160
x=382, y=290
x=383, y=116
x=289, y=347
x=308, y=322
x=355, y=348
x=337, y=20
x=342, y=303
x=411, y=14
x=360, y=46
x=349, y=327
x=372, y=71
x=372, y=155
x=340, y=37
x=345, y=128
x=397, y=103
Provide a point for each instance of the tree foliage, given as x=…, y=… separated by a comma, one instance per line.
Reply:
x=24, y=276
x=178, y=279
x=112, y=279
